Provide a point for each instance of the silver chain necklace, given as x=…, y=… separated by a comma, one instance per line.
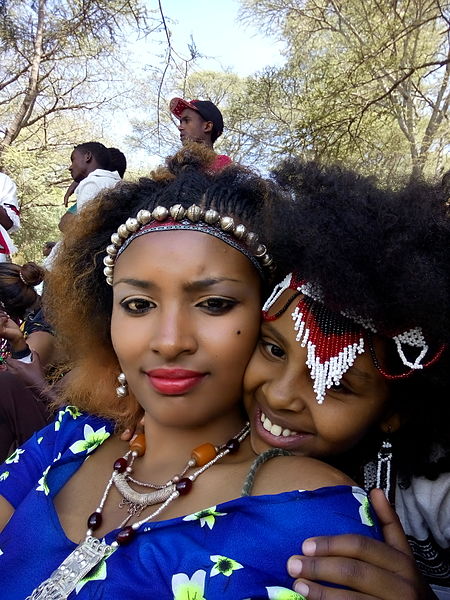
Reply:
x=89, y=553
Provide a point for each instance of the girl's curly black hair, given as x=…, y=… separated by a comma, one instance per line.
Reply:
x=78, y=299
x=381, y=254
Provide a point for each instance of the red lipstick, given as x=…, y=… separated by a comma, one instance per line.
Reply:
x=174, y=382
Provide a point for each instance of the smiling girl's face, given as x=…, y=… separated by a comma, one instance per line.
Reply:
x=282, y=405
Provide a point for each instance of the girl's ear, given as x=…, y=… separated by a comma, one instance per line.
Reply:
x=392, y=423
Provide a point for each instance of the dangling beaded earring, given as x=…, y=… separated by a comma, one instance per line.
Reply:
x=384, y=464
x=122, y=389
x=379, y=473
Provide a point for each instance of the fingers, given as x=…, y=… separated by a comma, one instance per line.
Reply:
x=358, y=547
x=126, y=435
x=8, y=328
x=372, y=569
x=365, y=580
x=309, y=590
x=31, y=373
x=129, y=434
x=392, y=529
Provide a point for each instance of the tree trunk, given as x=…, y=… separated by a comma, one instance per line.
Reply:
x=26, y=108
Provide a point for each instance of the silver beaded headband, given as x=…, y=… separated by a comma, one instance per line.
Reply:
x=194, y=218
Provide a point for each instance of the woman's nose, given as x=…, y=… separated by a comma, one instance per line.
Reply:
x=173, y=335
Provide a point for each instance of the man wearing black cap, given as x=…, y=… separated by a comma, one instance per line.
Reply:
x=200, y=121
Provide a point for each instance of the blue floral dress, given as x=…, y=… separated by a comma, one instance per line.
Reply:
x=236, y=550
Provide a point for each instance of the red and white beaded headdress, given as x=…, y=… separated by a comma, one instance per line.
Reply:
x=334, y=340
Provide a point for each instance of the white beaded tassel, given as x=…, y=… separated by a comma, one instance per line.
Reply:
x=330, y=372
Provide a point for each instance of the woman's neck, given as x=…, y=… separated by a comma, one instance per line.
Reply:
x=170, y=447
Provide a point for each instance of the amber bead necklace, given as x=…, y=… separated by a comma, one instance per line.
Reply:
x=204, y=457
x=90, y=552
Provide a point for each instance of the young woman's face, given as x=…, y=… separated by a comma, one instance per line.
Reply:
x=185, y=321
x=281, y=403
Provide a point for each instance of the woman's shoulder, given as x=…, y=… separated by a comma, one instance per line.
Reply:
x=71, y=432
x=67, y=440
x=77, y=430
x=286, y=473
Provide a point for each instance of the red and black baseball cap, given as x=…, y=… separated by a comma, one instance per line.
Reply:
x=206, y=109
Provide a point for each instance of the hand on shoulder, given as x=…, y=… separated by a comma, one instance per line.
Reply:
x=368, y=567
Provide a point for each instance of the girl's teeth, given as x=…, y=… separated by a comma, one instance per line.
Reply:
x=274, y=429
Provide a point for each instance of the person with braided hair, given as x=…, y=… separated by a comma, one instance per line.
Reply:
x=27, y=346
x=22, y=320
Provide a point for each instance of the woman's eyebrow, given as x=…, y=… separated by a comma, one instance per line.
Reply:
x=140, y=283
x=202, y=284
x=193, y=286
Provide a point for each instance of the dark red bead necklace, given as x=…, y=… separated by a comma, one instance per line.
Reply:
x=204, y=457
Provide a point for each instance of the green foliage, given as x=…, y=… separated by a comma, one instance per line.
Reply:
x=61, y=56
x=365, y=81
x=157, y=130
x=39, y=197
x=60, y=60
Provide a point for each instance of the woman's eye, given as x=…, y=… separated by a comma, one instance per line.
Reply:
x=217, y=305
x=272, y=349
x=137, y=305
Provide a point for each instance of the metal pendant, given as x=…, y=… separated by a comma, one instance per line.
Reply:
x=133, y=497
x=71, y=571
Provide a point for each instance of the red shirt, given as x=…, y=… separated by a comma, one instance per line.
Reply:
x=221, y=161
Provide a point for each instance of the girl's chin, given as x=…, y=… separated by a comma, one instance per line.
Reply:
x=258, y=445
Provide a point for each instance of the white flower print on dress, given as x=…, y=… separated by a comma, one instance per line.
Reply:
x=364, y=509
x=184, y=588
x=206, y=517
x=15, y=456
x=281, y=593
x=92, y=439
x=224, y=565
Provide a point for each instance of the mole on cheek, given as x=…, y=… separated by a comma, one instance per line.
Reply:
x=238, y=332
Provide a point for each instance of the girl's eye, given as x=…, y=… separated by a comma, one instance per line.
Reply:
x=340, y=388
x=137, y=305
x=217, y=306
x=272, y=349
